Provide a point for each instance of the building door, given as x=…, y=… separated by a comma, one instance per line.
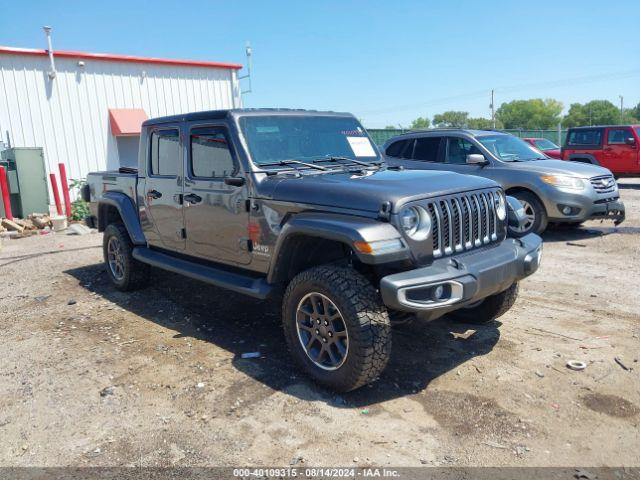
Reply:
x=216, y=217
x=164, y=227
x=618, y=155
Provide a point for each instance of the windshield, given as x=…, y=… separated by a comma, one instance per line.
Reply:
x=544, y=144
x=509, y=148
x=275, y=138
x=638, y=131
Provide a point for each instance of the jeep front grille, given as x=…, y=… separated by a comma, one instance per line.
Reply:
x=603, y=183
x=463, y=222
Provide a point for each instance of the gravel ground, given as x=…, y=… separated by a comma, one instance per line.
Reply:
x=93, y=377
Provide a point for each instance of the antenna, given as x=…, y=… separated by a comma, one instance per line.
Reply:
x=248, y=52
x=52, y=72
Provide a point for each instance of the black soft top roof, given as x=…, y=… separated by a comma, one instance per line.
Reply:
x=217, y=114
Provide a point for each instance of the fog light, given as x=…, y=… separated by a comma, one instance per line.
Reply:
x=566, y=210
x=438, y=292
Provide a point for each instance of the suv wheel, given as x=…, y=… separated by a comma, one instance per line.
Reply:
x=336, y=327
x=124, y=271
x=490, y=308
x=536, y=221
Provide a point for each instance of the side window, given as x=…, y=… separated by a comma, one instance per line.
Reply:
x=165, y=152
x=395, y=149
x=459, y=148
x=427, y=149
x=617, y=136
x=585, y=137
x=210, y=153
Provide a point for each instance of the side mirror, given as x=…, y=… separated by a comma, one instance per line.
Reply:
x=630, y=141
x=476, y=159
x=234, y=181
x=515, y=212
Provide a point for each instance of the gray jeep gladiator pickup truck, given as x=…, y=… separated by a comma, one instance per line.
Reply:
x=299, y=205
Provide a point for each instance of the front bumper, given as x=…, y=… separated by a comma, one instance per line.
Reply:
x=586, y=205
x=465, y=278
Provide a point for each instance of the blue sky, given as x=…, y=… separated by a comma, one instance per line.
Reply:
x=387, y=62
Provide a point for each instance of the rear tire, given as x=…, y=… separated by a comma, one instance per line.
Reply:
x=534, y=209
x=124, y=271
x=352, y=348
x=490, y=308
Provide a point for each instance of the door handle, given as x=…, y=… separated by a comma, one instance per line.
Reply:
x=154, y=194
x=192, y=198
x=608, y=149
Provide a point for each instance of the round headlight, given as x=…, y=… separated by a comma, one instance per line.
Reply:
x=501, y=207
x=416, y=222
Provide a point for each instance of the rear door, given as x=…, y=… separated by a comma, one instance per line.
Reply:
x=164, y=223
x=216, y=217
x=422, y=153
x=618, y=156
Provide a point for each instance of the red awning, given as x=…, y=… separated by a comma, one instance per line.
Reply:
x=126, y=122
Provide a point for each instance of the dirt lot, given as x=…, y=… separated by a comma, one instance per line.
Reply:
x=91, y=376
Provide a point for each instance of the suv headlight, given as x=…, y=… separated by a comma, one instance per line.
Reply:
x=501, y=207
x=415, y=222
x=563, y=181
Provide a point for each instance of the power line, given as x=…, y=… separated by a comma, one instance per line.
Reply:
x=505, y=89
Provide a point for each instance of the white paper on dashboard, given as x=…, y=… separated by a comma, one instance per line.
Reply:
x=361, y=146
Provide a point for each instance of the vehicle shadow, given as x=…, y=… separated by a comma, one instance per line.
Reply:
x=628, y=186
x=240, y=325
x=564, y=233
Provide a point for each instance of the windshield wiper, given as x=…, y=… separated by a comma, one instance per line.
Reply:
x=284, y=163
x=347, y=159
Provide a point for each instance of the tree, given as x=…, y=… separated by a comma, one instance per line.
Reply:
x=390, y=127
x=420, y=122
x=481, y=123
x=451, y=119
x=535, y=113
x=595, y=112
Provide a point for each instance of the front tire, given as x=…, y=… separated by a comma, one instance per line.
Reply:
x=336, y=327
x=535, y=212
x=490, y=308
x=124, y=271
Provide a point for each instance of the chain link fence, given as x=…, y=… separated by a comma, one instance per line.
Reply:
x=381, y=135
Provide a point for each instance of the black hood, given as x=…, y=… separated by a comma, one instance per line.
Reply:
x=368, y=191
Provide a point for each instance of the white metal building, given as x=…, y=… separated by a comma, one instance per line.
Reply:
x=87, y=113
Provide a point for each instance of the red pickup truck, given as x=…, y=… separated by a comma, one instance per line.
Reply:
x=616, y=147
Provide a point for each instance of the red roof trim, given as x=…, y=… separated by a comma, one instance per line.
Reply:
x=119, y=58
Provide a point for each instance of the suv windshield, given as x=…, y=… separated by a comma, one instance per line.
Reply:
x=544, y=144
x=274, y=138
x=509, y=148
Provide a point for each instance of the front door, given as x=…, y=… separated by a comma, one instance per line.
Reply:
x=216, y=216
x=456, y=157
x=162, y=190
x=618, y=155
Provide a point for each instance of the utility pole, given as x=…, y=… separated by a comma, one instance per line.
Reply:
x=621, y=109
x=493, y=112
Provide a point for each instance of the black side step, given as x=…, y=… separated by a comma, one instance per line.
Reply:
x=254, y=287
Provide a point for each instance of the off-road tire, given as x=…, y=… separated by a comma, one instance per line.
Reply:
x=136, y=274
x=491, y=307
x=365, y=317
x=541, y=219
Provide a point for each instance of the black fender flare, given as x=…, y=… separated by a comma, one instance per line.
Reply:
x=342, y=228
x=580, y=157
x=128, y=213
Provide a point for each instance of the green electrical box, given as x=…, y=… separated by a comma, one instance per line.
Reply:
x=27, y=179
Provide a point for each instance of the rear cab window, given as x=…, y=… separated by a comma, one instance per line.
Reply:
x=165, y=153
x=585, y=138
